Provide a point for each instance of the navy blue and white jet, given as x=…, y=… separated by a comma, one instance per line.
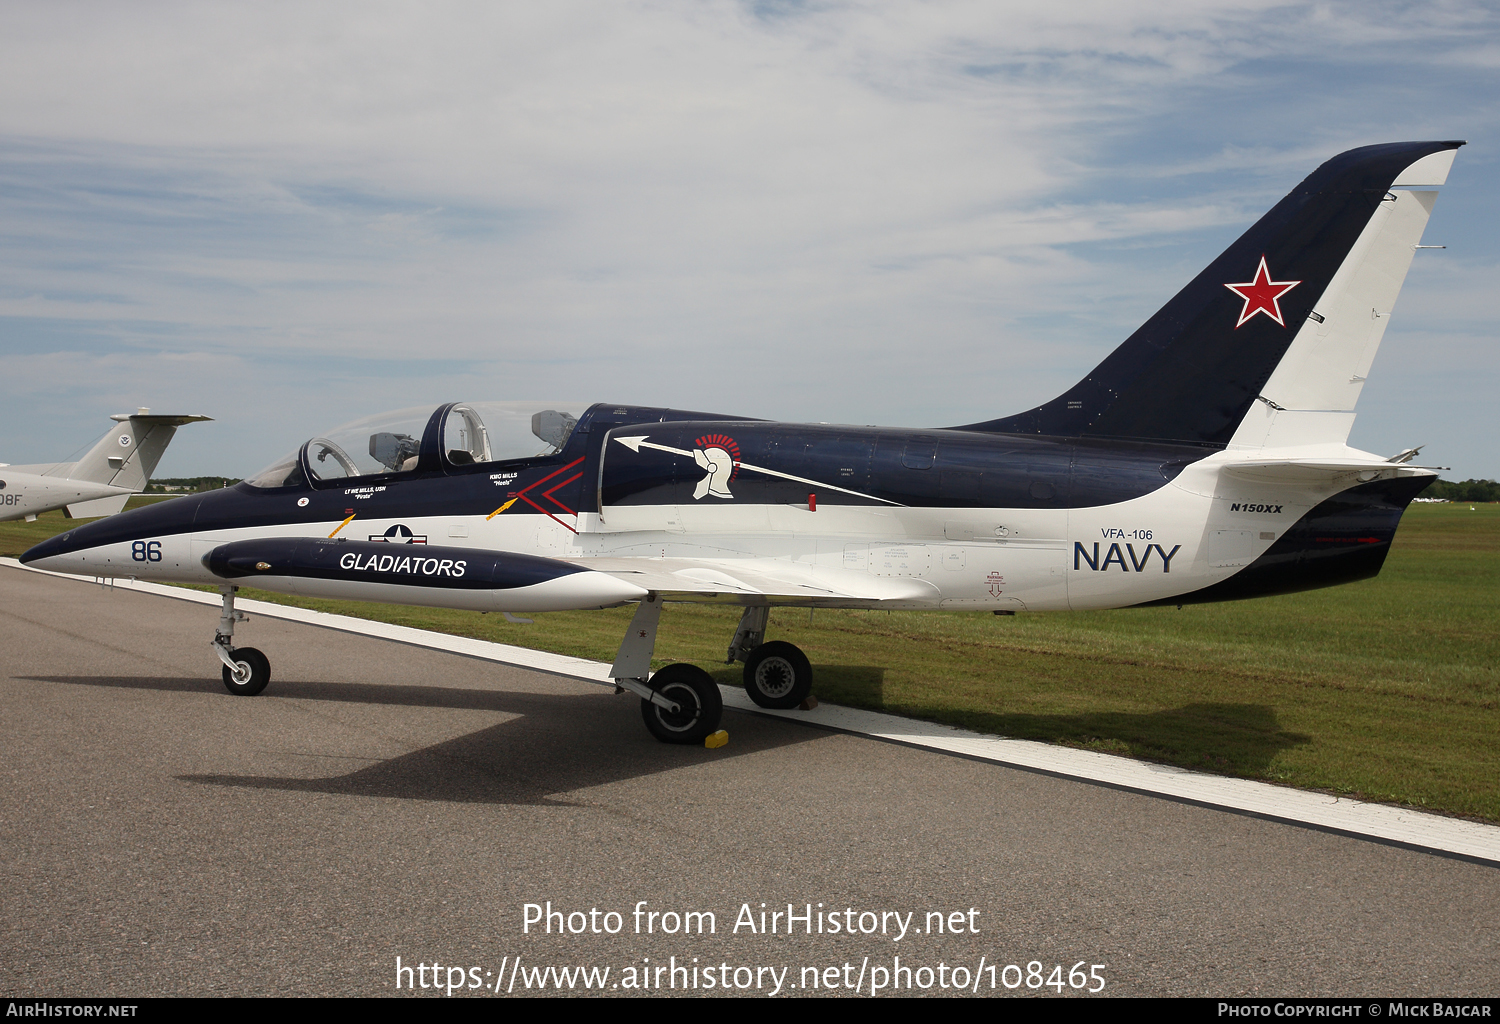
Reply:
x=1205, y=459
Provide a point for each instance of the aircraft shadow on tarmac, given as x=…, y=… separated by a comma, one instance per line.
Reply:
x=561, y=743
x=1237, y=738
x=558, y=744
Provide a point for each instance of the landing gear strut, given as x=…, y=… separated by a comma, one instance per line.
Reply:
x=777, y=674
x=680, y=703
x=246, y=670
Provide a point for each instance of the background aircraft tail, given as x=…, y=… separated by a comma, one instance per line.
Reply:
x=127, y=455
x=1270, y=345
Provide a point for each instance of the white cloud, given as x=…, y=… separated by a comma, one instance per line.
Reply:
x=952, y=209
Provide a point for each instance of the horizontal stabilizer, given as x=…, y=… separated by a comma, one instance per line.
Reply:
x=1312, y=471
x=98, y=507
x=164, y=420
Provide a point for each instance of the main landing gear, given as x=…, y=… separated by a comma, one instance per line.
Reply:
x=680, y=703
x=777, y=674
x=246, y=670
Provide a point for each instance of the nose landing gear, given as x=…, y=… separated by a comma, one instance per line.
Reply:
x=246, y=670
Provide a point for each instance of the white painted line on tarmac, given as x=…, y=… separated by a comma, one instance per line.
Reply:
x=1299, y=807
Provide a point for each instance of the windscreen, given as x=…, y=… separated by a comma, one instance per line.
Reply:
x=284, y=472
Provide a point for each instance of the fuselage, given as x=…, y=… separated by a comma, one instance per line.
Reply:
x=857, y=516
x=28, y=494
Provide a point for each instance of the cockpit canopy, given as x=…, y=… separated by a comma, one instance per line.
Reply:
x=458, y=434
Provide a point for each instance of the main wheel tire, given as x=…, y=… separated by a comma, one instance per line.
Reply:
x=778, y=675
x=697, y=697
x=257, y=672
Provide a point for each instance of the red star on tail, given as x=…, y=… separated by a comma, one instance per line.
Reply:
x=1262, y=295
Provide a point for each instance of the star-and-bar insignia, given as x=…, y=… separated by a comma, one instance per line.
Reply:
x=1262, y=295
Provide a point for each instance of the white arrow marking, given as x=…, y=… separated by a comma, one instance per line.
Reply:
x=814, y=483
x=635, y=444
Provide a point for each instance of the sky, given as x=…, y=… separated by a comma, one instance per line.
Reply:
x=288, y=216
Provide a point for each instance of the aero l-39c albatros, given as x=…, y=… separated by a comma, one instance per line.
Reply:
x=1205, y=459
x=120, y=464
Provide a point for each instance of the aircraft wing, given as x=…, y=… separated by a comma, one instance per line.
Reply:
x=755, y=578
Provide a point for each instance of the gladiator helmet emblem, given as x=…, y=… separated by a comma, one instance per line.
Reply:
x=719, y=457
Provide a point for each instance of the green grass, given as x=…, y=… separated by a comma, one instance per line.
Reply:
x=1385, y=690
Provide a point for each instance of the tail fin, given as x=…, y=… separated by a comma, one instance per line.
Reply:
x=1289, y=315
x=127, y=455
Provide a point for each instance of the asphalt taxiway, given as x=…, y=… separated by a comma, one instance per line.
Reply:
x=381, y=800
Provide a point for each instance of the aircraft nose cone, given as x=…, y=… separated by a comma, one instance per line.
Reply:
x=48, y=548
x=64, y=552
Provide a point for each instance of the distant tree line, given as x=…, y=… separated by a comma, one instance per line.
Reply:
x=188, y=484
x=1468, y=490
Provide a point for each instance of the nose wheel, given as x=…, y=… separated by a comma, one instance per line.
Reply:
x=251, y=672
